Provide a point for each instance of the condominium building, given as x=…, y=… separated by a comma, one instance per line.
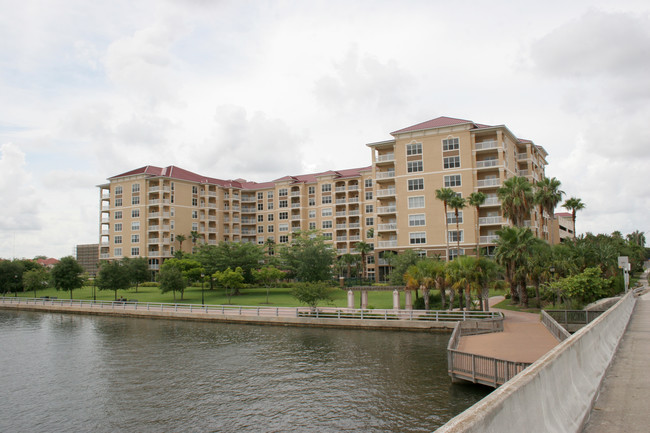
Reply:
x=143, y=211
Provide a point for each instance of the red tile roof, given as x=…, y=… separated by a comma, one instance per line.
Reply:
x=564, y=214
x=47, y=262
x=438, y=122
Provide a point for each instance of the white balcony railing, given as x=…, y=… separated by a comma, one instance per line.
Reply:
x=492, y=144
x=488, y=182
x=385, y=174
x=386, y=192
x=487, y=163
x=386, y=209
x=491, y=201
x=387, y=244
x=388, y=157
x=491, y=239
x=483, y=221
x=387, y=227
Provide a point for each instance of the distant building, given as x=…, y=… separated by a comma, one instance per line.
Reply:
x=562, y=227
x=48, y=263
x=88, y=257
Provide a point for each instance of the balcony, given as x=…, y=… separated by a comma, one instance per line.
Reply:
x=154, y=228
x=355, y=238
x=104, y=255
x=485, y=145
x=387, y=157
x=388, y=192
x=491, y=201
x=488, y=183
x=342, y=250
x=491, y=239
x=341, y=226
x=153, y=254
x=353, y=200
x=523, y=172
x=154, y=267
x=297, y=205
x=382, y=175
x=295, y=193
x=390, y=227
x=354, y=225
x=353, y=187
x=341, y=238
x=354, y=213
x=522, y=156
x=386, y=209
x=388, y=244
x=488, y=163
x=340, y=201
x=492, y=220
x=340, y=213
x=340, y=189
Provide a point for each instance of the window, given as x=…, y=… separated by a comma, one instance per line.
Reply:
x=270, y=217
x=118, y=252
x=327, y=187
x=269, y=195
x=455, y=235
x=312, y=202
x=453, y=253
x=260, y=229
x=416, y=202
x=369, y=208
x=118, y=202
x=118, y=227
x=195, y=189
x=368, y=183
x=327, y=236
x=269, y=206
x=451, y=162
x=311, y=190
x=326, y=199
x=370, y=221
x=312, y=226
x=451, y=217
x=135, y=187
x=369, y=195
x=135, y=213
x=172, y=224
x=195, y=214
x=118, y=239
x=414, y=149
x=260, y=240
x=415, y=184
x=416, y=238
x=450, y=144
x=327, y=224
x=327, y=211
x=135, y=239
x=195, y=201
x=283, y=203
x=260, y=218
x=414, y=166
x=283, y=192
x=283, y=216
x=452, y=180
x=284, y=227
x=135, y=226
x=269, y=228
x=135, y=251
x=135, y=199
x=417, y=220
x=312, y=214
x=195, y=227
x=260, y=196
x=260, y=206
x=118, y=190
x=118, y=214
x=172, y=200
x=172, y=211
x=370, y=260
x=284, y=239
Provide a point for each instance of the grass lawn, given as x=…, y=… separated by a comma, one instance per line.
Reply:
x=506, y=304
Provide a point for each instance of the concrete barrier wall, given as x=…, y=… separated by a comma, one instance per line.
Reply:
x=556, y=393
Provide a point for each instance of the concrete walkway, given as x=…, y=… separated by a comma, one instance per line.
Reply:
x=622, y=404
x=524, y=338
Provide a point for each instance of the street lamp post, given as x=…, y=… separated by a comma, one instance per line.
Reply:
x=202, y=295
x=557, y=296
x=94, y=293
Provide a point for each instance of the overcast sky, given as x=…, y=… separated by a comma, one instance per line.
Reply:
x=262, y=89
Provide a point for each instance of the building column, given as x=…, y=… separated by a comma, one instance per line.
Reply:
x=350, y=299
x=364, y=299
x=395, y=300
x=408, y=300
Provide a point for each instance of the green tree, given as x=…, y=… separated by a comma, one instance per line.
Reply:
x=67, y=275
x=583, y=288
x=514, y=247
x=463, y=273
x=487, y=278
x=308, y=257
x=444, y=195
x=171, y=279
x=267, y=276
x=231, y=280
x=401, y=263
x=422, y=276
x=573, y=204
x=457, y=203
x=114, y=275
x=36, y=279
x=477, y=199
x=194, y=235
x=181, y=239
x=138, y=270
x=11, y=276
x=547, y=196
x=636, y=237
x=312, y=292
x=244, y=255
x=516, y=197
x=364, y=249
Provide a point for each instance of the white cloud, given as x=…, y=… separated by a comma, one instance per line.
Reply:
x=17, y=195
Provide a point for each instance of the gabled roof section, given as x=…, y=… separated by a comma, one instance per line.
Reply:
x=438, y=122
x=147, y=169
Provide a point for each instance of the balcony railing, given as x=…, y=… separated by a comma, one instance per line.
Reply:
x=488, y=182
x=340, y=189
x=387, y=227
x=491, y=201
x=385, y=174
x=341, y=238
x=353, y=187
x=354, y=225
x=386, y=192
x=388, y=157
x=483, y=221
x=355, y=238
x=387, y=244
x=491, y=239
x=353, y=200
x=386, y=209
x=487, y=163
x=340, y=213
x=523, y=172
x=522, y=156
x=492, y=144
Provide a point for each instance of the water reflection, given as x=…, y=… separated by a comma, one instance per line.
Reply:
x=102, y=373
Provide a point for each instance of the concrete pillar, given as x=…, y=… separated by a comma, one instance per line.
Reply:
x=408, y=300
x=364, y=299
x=395, y=300
x=350, y=299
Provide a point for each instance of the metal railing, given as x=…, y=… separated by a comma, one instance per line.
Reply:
x=254, y=311
x=574, y=317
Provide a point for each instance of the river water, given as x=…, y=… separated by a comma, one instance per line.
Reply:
x=61, y=372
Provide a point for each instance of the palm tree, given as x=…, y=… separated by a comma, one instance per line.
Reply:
x=547, y=196
x=476, y=199
x=363, y=248
x=488, y=272
x=439, y=273
x=444, y=195
x=516, y=197
x=421, y=275
x=573, y=204
x=180, y=239
x=457, y=203
x=636, y=237
x=464, y=275
x=514, y=246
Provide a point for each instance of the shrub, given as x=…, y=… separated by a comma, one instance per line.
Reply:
x=312, y=293
x=150, y=284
